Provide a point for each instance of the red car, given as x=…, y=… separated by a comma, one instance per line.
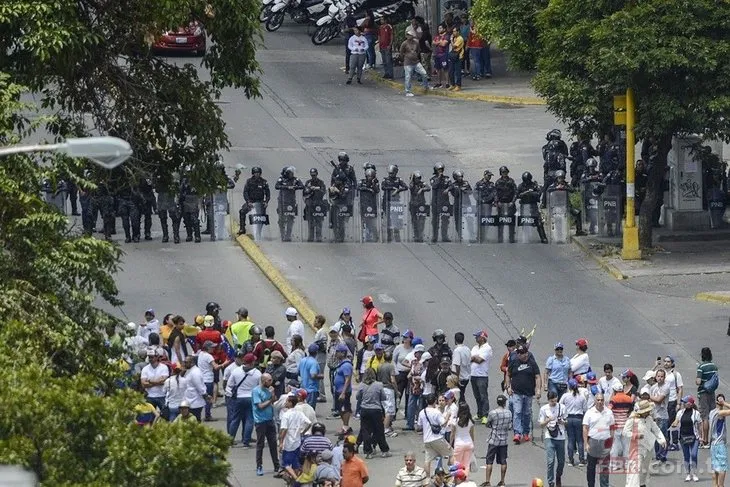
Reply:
x=186, y=39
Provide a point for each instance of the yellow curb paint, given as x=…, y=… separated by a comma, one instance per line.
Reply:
x=602, y=263
x=723, y=298
x=277, y=279
x=485, y=97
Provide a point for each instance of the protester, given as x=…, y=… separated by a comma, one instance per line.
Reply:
x=641, y=433
x=354, y=470
x=481, y=356
x=718, y=441
x=552, y=418
x=371, y=394
x=575, y=404
x=689, y=422
x=557, y=372
x=263, y=416
x=597, y=424
x=705, y=371
x=411, y=475
x=410, y=55
x=432, y=423
x=385, y=43
x=523, y=384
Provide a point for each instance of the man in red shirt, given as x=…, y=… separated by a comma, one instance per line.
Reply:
x=263, y=349
x=385, y=41
x=213, y=335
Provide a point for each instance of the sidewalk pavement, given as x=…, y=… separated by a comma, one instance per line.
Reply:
x=515, y=90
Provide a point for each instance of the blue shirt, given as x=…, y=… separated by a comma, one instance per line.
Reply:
x=258, y=396
x=559, y=369
x=308, y=367
x=344, y=370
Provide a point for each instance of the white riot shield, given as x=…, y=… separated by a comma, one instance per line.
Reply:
x=220, y=230
x=420, y=221
x=716, y=204
x=289, y=207
x=610, y=211
x=395, y=217
x=506, y=222
x=317, y=222
x=369, y=214
x=441, y=216
x=590, y=200
x=558, y=216
x=342, y=221
x=488, y=223
x=258, y=219
x=467, y=221
x=527, y=223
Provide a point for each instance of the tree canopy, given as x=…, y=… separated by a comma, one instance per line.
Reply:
x=672, y=53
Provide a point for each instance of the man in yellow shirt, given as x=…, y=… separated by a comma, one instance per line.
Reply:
x=377, y=359
x=241, y=329
x=456, y=57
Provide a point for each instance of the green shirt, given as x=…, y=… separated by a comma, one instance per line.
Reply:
x=704, y=371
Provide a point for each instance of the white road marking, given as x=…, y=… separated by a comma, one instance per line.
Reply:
x=384, y=298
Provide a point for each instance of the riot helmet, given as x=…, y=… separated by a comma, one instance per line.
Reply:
x=554, y=134
x=526, y=177
x=503, y=170
x=255, y=170
x=212, y=308
x=560, y=175
x=439, y=333
x=417, y=175
x=370, y=174
x=393, y=170
x=289, y=171
x=458, y=175
x=343, y=158
x=369, y=165
x=255, y=330
x=591, y=163
x=313, y=172
x=488, y=174
x=439, y=166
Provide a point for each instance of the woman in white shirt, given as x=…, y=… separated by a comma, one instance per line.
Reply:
x=575, y=404
x=580, y=363
x=174, y=388
x=292, y=360
x=462, y=435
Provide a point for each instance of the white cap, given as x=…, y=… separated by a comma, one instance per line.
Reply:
x=131, y=326
x=184, y=404
x=425, y=357
x=290, y=311
x=649, y=375
x=335, y=327
x=419, y=348
x=618, y=387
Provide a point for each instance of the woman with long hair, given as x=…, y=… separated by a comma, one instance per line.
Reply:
x=371, y=396
x=689, y=422
x=166, y=328
x=174, y=388
x=462, y=437
x=580, y=363
x=631, y=384
x=575, y=404
x=297, y=355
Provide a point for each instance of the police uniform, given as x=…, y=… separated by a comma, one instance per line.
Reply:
x=315, y=207
x=440, y=200
x=418, y=207
x=529, y=194
x=339, y=195
x=457, y=189
x=148, y=205
x=486, y=195
x=392, y=186
x=256, y=190
x=506, y=192
x=190, y=206
x=287, y=204
x=369, y=189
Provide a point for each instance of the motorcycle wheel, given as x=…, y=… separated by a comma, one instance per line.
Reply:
x=322, y=34
x=300, y=17
x=265, y=13
x=275, y=21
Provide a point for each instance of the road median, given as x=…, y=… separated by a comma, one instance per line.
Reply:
x=602, y=262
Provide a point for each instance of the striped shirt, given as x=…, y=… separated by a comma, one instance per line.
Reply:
x=415, y=478
x=621, y=405
x=500, y=420
x=315, y=444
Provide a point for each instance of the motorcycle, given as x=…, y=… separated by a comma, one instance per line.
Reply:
x=265, y=12
x=329, y=25
x=300, y=12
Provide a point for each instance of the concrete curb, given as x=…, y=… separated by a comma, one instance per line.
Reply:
x=277, y=279
x=602, y=262
x=722, y=297
x=485, y=97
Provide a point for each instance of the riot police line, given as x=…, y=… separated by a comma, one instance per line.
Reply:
x=443, y=209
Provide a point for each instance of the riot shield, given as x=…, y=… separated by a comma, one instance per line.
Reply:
x=315, y=216
x=342, y=221
x=716, y=200
x=527, y=223
x=258, y=219
x=467, y=221
x=220, y=230
x=395, y=217
x=441, y=216
x=506, y=222
x=419, y=215
x=369, y=223
x=55, y=197
x=288, y=211
x=558, y=217
x=488, y=223
x=610, y=211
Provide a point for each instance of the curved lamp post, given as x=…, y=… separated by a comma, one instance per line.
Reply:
x=107, y=152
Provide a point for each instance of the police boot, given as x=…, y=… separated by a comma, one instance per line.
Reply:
x=165, y=234
x=541, y=232
x=578, y=225
x=197, y=233
x=241, y=224
x=148, y=228
x=189, y=231
x=512, y=234
x=176, y=232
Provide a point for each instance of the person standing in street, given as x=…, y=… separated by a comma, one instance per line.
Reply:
x=240, y=385
x=153, y=378
x=499, y=420
x=553, y=418
x=456, y=58
x=481, y=356
x=705, y=371
x=461, y=364
x=441, y=57
x=718, y=441
x=433, y=425
x=621, y=406
x=557, y=372
x=390, y=335
x=358, y=46
x=659, y=395
x=597, y=424
x=689, y=423
x=523, y=384
x=411, y=55
x=676, y=392
x=310, y=374
x=354, y=470
x=263, y=417
x=385, y=42
x=411, y=475
x=370, y=31
x=476, y=45
x=343, y=386
x=575, y=404
x=640, y=433
x=296, y=327
x=320, y=339
x=372, y=395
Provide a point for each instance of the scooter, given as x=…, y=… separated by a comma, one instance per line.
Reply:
x=265, y=12
x=329, y=25
x=300, y=11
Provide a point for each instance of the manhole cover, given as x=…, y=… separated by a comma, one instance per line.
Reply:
x=313, y=140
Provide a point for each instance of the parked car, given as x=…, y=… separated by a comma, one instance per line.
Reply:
x=185, y=39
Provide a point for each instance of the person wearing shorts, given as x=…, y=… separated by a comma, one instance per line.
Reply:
x=343, y=386
x=440, y=57
x=499, y=420
x=433, y=425
x=718, y=441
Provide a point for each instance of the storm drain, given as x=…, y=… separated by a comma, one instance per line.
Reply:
x=313, y=140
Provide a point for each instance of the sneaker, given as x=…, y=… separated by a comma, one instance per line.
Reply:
x=260, y=471
x=688, y=478
x=438, y=85
x=484, y=420
x=357, y=416
x=673, y=447
x=408, y=428
x=369, y=456
x=582, y=463
x=450, y=88
x=695, y=478
x=409, y=94
x=457, y=88
x=348, y=82
x=387, y=454
x=516, y=439
x=476, y=418
x=321, y=399
x=525, y=438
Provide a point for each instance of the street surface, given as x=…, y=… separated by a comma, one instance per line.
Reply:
x=306, y=116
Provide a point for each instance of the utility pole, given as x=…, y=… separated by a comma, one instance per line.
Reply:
x=624, y=111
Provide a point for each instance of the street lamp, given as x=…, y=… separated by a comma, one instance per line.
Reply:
x=107, y=152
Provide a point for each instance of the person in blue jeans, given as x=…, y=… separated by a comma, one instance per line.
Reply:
x=310, y=375
x=553, y=419
x=523, y=383
x=240, y=385
x=416, y=386
x=557, y=371
x=575, y=405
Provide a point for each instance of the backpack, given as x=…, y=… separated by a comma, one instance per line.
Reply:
x=712, y=383
x=267, y=354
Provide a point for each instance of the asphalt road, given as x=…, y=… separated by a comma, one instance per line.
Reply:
x=306, y=116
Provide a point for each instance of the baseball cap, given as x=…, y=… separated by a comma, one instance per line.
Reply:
x=242, y=311
x=688, y=399
x=335, y=328
x=649, y=375
x=367, y=300
x=456, y=466
x=439, y=471
x=572, y=383
x=591, y=378
x=351, y=439
x=208, y=321
x=449, y=395
x=459, y=475
x=302, y=394
x=345, y=311
x=275, y=354
x=326, y=455
x=313, y=348
x=342, y=348
x=481, y=333
x=618, y=387
x=445, y=360
x=419, y=348
x=426, y=356
x=184, y=404
x=408, y=334
x=150, y=312
x=208, y=344
x=290, y=311
x=581, y=342
x=559, y=345
x=627, y=373
x=417, y=341
x=379, y=346
x=249, y=358
x=521, y=349
x=151, y=352
x=510, y=343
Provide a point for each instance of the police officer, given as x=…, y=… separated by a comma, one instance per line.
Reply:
x=167, y=206
x=315, y=206
x=556, y=136
x=127, y=207
x=641, y=179
x=209, y=199
x=580, y=151
x=344, y=170
x=486, y=195
x=440, y=204
x=561, y=184
x=528, y=192
x=190, y=207
x=107, y=208
x=440, y=350
x=339, y=194
x=459, y=189
x=214, y=309
x=287, y=185
x=506, y=193
x=593, y=188
x=148, y=205
x=392, y=187
x=256, y=190
x=553, y=154
x=611, y=159
x=418, y=206
x=369, y=189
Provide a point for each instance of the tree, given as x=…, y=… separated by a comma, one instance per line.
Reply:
x=672, y=53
